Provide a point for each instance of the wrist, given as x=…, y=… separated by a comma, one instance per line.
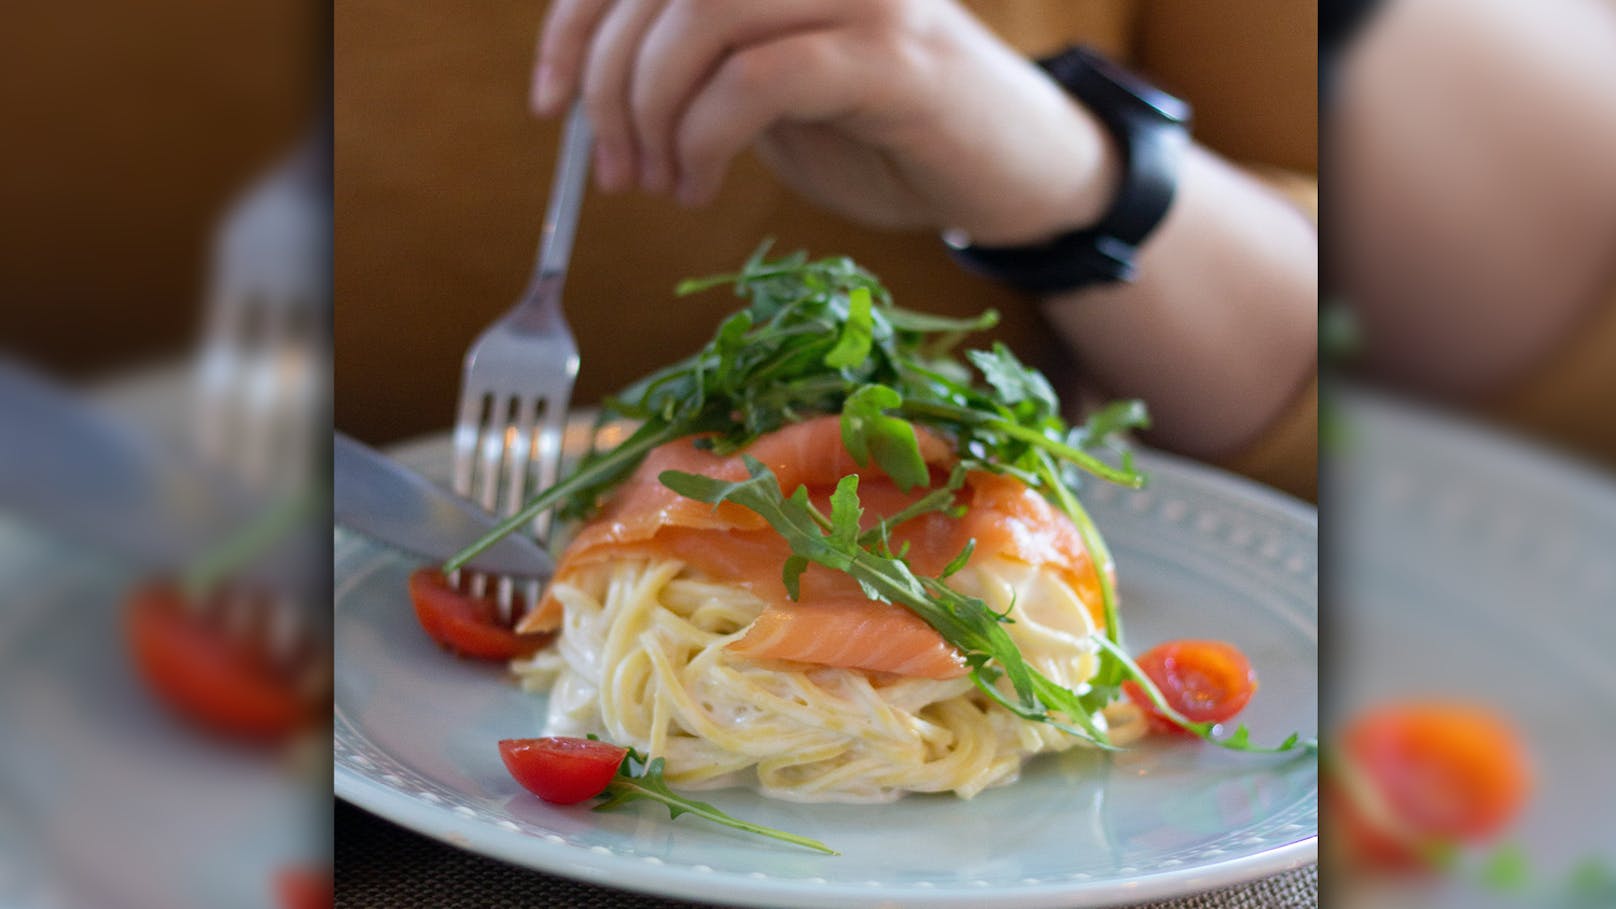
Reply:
x=1068, y=183
x=1150, y=129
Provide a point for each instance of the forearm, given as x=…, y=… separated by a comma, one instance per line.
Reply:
x=1473, y=144
x=1218, y=332
x=910, y=113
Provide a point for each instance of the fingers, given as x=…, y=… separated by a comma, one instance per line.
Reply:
x=685, y=45
x=606, y=88
x=568, y=25
x=803, y=77
x=641, y=66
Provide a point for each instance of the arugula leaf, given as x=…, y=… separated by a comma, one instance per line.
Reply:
x=1592, y=882
x=1015, y=382
x=958, y=562
x=867, y=431
x=1507, y=869
x=926, y=323
x=639, y=779
x=260, y=533
x=853, y=347
x=845, y=512
x=940, y=499
x=1103, y=427
x=729, y=346
x=791, y=575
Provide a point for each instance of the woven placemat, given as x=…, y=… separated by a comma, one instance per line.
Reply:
x=383, y=866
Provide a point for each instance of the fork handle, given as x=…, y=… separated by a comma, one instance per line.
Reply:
x=566, y=197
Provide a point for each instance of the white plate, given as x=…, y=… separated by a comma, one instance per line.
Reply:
x=1464, y=564
x=106, y=799
x=1199, y=554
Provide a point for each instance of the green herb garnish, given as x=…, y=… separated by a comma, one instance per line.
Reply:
x=823, y=337
x=833, y=541
x=638, y=778
x=967, y=623
x=257, y=535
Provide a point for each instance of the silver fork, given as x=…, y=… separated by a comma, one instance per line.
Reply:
x=262, y=373
x=518, y=375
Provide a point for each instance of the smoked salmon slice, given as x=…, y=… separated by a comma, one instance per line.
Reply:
x=852, y=634
x=832, y=624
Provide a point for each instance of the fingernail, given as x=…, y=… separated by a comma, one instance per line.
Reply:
x=545, y=91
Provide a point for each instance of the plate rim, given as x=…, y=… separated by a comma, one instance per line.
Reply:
x=480, y=836
x=681, y=882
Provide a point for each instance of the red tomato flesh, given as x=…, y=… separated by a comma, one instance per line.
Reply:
x=1206, y=681
x=465, y=624
x=1445, y=772
x=223, y=682
x=561, y=769
x=305, y=888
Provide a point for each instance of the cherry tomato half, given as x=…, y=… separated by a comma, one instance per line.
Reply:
x=1444, y=772
x=465, y=624
x=1206, y=681
x=561, y=769
x=227, y=683
x=305, y=888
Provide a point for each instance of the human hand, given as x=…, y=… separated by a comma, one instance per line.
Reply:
x=896, y=113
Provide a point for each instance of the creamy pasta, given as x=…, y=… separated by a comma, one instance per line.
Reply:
x=642, y=661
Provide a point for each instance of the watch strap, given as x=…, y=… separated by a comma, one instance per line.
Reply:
x=1149, y=128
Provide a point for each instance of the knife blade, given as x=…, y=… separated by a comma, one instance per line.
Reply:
x=386, y=501
x=102, y=481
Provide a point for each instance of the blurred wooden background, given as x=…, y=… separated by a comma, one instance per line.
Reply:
x=129, y=128
x=441, y=178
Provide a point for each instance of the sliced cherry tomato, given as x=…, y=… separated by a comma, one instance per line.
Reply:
x=1442, y=772
x=561, y=769
x=1355, y=834
x=465, y=624
x=305, y=888
x=226, y=682
x=1206, y=681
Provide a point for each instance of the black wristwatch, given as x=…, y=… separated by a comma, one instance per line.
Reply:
x=1151, y=127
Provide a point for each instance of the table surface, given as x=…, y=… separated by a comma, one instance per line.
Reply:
x=380, y=865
